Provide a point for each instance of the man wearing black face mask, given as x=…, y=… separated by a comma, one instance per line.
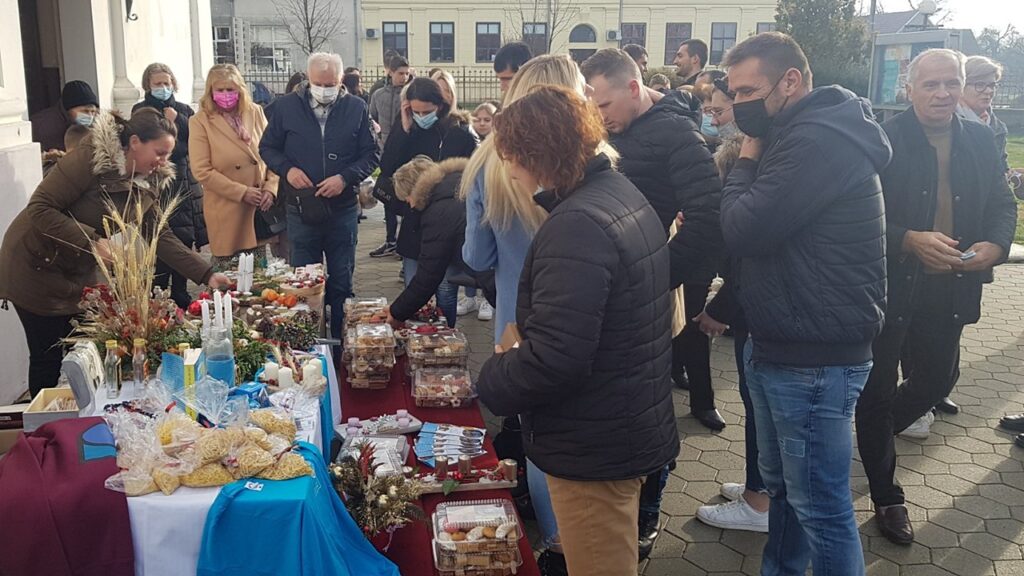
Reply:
x=803, y=209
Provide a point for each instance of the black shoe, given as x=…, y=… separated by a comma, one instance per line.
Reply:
x=1019, y=440
x=1013, y=423
x=710, y=419
x=552, y=564
x=681, y=381
x=894, y=523
x=385, y=249
x=947, y=406
x=650, y=528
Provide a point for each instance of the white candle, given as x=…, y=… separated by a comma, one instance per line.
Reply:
x=310, y=373
x=270, y=371
x=318, y=367
x=228, y=315
x=402, y=413
x=404, y=422
x=217, y=318
x=284, y=378
x=205, y=305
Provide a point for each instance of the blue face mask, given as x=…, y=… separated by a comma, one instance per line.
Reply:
x=161, y=93
x=706, y=128
x=84, y=120
x=425, y=121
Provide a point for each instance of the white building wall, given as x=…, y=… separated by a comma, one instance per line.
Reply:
x=162, y=33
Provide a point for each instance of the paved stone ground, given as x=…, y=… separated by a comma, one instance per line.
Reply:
x=964, y=484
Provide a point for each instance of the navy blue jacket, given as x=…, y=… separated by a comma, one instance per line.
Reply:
x=347, y=147
x=808, y=221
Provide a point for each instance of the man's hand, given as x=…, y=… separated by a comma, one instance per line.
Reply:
x=298, y=179
x=267, y=200
x=406, y=116
x=752, y=148
x=171, y=114
x=253, y=196
x=396, y=324
x=934, y=249
x=987, y=256
x=709, y=326
x=218, y=281
x=53, y=155
x=331, y=187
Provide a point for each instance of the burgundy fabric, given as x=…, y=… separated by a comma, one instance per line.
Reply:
x=58, y=518
x=411, y=547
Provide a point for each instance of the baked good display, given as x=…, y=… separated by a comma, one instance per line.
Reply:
x=370, y=350
x=365, y=311
x=478, y=538
x=429, y=346
x=442, y=387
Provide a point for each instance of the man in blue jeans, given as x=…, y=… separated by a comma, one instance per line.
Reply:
x=320, y=142
x=803, y=210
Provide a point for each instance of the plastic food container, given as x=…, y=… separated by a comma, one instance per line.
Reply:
x=438, y=348
x=479, y=537
x=442, y=387
x=365, y=311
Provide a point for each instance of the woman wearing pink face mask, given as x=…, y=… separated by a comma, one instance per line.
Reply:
x=224, y=149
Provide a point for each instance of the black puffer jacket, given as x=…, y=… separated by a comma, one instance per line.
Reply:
x=591, y=375
x=665, y=156
x=188, y=222
x=442, y=224
x=983, y=208
x=808, y=221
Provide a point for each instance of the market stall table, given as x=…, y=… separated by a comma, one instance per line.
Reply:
x=411, y=547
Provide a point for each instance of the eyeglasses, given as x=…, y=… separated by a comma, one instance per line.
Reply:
x=716, y=112
x=985, y=86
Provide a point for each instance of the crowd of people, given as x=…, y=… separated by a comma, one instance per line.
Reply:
x=593, y=213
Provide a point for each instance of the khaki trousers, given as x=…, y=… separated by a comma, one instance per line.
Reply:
x=597, y=524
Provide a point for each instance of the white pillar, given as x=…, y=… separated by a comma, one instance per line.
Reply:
x=198, y=70
x=20, y=173
x=125, y=94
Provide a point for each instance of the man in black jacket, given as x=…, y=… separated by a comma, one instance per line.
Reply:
x=949, y=219
x=803, y=209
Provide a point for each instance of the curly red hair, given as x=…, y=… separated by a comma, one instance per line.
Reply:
x=553, y=133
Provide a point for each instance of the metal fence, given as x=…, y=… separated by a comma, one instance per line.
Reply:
x=474, y=85
x=1011, y=91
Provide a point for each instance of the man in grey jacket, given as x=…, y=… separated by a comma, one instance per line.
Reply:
x=386, y=109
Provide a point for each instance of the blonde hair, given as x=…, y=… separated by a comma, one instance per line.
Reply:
x=157, y=68
x=486, y=107
x=444, y=76
x=505, y=203
x=229, y=73
x=405, y=178
x=981, y=66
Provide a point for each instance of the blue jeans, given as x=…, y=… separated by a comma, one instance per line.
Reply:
x=541, y=499
x=337, y=239
x=804, y=435
x=754, y=481
x=650, y=494
x=447, y=293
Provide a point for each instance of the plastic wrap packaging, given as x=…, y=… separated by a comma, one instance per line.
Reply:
x=273, y=421
x=208, y=475
x=249, y=460
x=289, y=465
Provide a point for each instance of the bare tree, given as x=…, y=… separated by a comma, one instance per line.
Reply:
x=311, y=23
x=546, y=20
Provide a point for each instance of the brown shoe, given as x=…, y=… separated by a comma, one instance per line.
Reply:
x=894, y=523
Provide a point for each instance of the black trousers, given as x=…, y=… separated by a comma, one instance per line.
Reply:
x=43, y=334
x=166, y=276
x=932, y=340
x=691, y=350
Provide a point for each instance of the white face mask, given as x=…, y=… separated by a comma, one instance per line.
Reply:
x=324, y=94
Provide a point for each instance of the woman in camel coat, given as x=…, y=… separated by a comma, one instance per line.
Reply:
x=223, y=145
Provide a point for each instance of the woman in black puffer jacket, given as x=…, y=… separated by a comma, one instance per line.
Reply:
x=590, y=376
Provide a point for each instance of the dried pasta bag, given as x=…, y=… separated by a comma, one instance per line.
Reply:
x=213, y=445
x=274, y=422
x=207, y=475
x=177, y=430
x=250, y=460
x=136, y=482
x=166, y=479
x=236, y=435
x=289, y=466
x=258, y=437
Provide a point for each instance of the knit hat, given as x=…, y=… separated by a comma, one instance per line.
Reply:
x=78, y=93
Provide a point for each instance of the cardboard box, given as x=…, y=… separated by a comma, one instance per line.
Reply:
x=35, y=415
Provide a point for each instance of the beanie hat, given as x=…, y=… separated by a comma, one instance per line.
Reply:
x=78, y=93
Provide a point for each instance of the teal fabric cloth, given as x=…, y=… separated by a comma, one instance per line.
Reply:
x=297, y=527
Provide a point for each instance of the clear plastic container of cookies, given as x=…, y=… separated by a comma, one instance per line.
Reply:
x=442, y=387
x=365, y=311
x=374, y=338
x=432, y=347
x=500, y=563
x=476, y=527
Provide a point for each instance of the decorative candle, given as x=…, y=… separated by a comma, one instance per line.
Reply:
x=352, y=431
x=465, y=464
x=310, y=373
x=355, y=421
x=228, y=314
x=217, y=319
x=441, y=467
x=408, y=471
x=404, y=422
x=401, y=413
x=284, y=378
x=509, y=469
x=270, y=371
x=205, y=306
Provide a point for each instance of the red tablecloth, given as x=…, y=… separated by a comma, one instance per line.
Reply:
x=411, y=547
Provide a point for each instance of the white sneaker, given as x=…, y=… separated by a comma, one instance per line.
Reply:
x=733, y=491
x=921, y=428
x=485, y=312
x=735, y=515
x=466, y=305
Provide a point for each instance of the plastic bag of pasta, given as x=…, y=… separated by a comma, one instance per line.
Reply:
x=289, y=465
x=274, y=421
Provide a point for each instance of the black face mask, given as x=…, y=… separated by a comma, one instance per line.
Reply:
x=752, y=116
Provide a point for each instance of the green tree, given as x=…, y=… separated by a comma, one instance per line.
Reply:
x=833, y=37
x=1007, y=48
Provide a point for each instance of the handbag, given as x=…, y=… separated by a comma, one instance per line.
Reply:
x=678, y=302
x=384, y=190
x=313, y=209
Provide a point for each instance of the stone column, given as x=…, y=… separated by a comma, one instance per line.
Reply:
x=125, y=94
x=198, y=71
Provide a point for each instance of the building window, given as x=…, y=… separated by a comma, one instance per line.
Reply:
x=535, y=35
x=723, y=37
x=583, y=34
x=675, y=34
x=223, y=49
x=488, y=40
x=634, y=34
x=765, y=27
x=442, y=42
x=396, y=37
x=271, y=49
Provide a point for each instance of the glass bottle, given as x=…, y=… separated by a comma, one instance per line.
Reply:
x=140, y=367
x=220, y=356
x=112, y=370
